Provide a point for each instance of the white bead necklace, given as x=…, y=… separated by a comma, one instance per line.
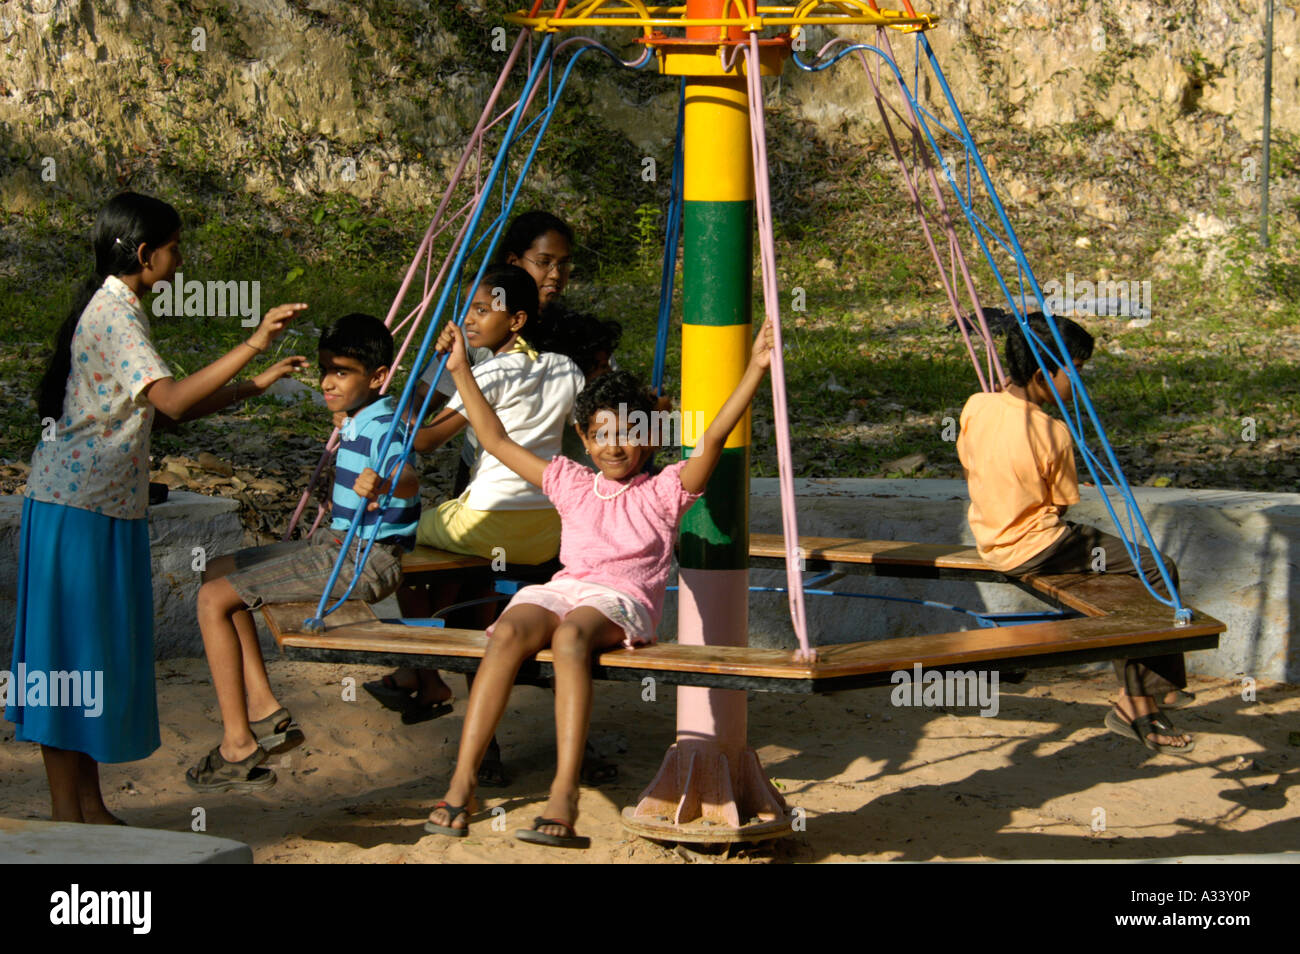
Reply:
x=595, y=488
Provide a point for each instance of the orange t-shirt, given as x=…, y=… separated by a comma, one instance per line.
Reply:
x=1019, y=466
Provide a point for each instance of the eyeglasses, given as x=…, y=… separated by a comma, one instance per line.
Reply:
x=548, y=265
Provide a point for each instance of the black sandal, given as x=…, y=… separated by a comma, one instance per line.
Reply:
x=597, y=771
x=214, y=774
x=1143, y=726
x=389, y=694
x=453, y=812
x=537, y=837
x=416, y=712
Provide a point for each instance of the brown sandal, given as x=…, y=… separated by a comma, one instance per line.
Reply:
x=214, y=774
x=277, y=732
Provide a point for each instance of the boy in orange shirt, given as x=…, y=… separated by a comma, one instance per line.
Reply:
x=1019, y=467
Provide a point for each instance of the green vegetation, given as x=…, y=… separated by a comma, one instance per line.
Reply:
x=874, y=367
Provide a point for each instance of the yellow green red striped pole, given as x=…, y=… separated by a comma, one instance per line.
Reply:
x=717, y=278
x=710, y=782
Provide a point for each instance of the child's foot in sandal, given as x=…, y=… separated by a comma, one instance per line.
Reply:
x=554, y=833
x=597, y=771
x=389, y=693
x=277, y=732
x=443, y=818
x=554, y=828
x=1153, y=731
x=214, y=774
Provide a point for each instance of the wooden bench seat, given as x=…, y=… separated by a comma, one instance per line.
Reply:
x=424, y=560
x=1119, y=620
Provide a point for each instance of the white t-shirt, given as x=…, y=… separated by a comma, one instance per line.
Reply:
x=447, y=387
x=534, y=399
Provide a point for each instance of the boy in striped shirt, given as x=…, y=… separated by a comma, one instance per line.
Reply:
x=355, y=355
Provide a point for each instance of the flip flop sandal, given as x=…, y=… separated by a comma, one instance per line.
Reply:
x=215, y=774
x=491, y=773
x=536, y=837
x=415, y=713
x=389, y=694
x=1182, y=698
x=596, y=771
x=277, y=732
x=453, y=812
x=1142, y=726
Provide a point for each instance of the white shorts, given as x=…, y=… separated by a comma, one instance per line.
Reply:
x=562, y=597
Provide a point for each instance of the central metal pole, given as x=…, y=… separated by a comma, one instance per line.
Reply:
x=711, y=786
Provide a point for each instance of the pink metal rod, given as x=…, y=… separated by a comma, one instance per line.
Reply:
x=772, y=309
x=957, y=263
x=917, y=205
x=471, y=148
x=954, y=245
x=425, y=247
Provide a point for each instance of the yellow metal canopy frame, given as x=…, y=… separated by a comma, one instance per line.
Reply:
x=632, y=13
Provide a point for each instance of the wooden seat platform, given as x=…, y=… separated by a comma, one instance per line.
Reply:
x=1119, y=620
x=428, y=560
x=876, y=557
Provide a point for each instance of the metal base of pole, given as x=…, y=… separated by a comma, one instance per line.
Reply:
x=707, y=794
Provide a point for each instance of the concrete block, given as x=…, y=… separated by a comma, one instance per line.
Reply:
x=176, y=527
x=64, y=843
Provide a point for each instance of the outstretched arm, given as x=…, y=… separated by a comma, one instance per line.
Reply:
x=695, y=475
x=491, y=432
x=179, y=399
x=240, y=390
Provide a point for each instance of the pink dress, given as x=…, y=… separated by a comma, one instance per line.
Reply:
x=616, y=547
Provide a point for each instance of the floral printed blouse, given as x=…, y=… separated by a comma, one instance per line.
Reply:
x=98, y=459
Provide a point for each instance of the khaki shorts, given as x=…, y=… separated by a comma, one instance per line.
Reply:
x=296, y=571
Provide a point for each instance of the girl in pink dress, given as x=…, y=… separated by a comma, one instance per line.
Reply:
x=616, y=543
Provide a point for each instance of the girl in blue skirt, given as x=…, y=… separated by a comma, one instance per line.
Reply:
x=83, y=662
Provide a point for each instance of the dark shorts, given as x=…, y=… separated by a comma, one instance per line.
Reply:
x=1078, y=551
x=297, y=571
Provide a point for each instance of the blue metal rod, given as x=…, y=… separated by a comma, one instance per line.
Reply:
x=317, y=622
x=672, y=230
x=421, y=359
x=1074, y=425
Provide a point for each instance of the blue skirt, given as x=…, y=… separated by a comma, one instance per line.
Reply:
x=83, y=663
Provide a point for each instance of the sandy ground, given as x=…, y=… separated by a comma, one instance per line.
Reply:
x=876, y=782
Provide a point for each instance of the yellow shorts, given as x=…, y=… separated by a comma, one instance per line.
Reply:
x=523, y=536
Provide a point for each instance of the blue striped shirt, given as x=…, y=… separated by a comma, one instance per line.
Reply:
x=363, y=433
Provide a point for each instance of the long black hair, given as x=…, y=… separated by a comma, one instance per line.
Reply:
x=525, y=229
x=126, y=222
x=580, y=336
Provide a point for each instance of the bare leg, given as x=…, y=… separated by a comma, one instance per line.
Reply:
x=583, y=632
x=521, y=632
x=62, y=770
x=261, y=700
x=93, y=809
x=217, y=604
x=420, y=602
